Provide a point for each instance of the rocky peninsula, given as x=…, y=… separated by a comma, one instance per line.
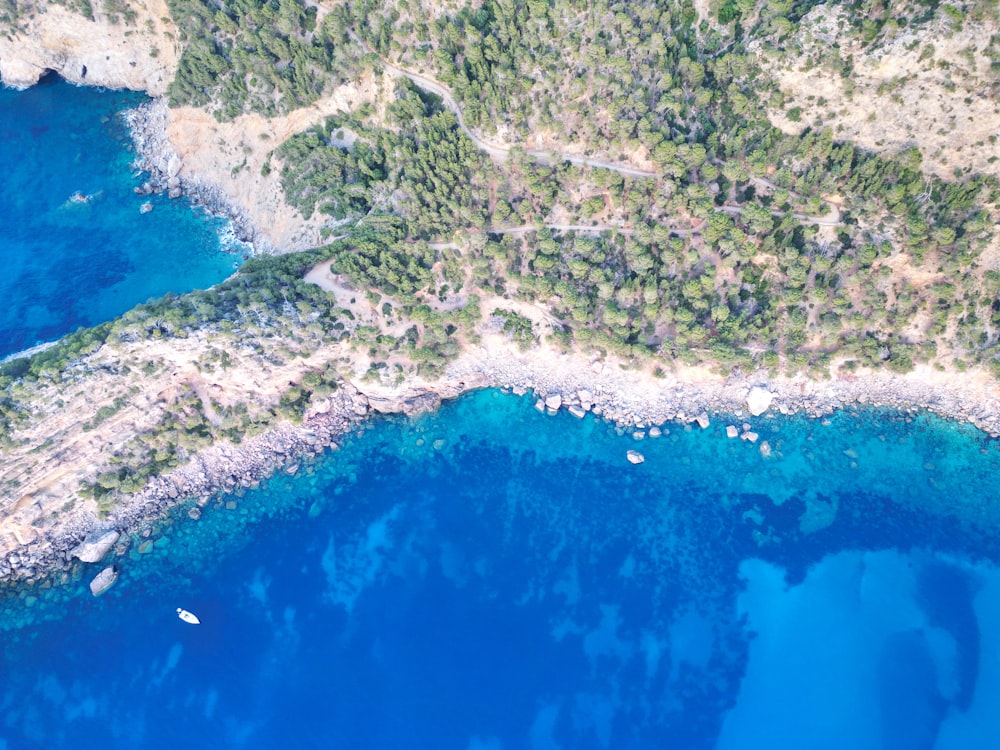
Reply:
x=636, y=400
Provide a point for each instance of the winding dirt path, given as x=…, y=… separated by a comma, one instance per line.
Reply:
x=495, y=150
x=502, y=153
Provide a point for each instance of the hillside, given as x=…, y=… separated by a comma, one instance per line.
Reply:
x=791, y=193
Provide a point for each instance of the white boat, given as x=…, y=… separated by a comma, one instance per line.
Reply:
x=188, y=616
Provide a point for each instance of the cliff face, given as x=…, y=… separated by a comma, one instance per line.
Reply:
x=139, y=51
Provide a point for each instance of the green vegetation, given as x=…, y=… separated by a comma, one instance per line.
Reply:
x=247, y=55
x=518, y=327
x=444, y=179
x=747, y=248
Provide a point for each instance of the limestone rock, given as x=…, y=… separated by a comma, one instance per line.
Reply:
x=750, y=436
x=174, y=166
x=732, y=431
x=759, y=400
x=577, y=411
x=553, y=402
x=703, y=420
x=421, y=403
x=634, y=457
x=103, y=580
x=95, y=546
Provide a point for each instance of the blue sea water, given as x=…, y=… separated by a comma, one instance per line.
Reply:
x=66, y=263
x=490, y=577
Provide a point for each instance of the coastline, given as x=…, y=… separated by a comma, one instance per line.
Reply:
x=156, y=155
x=633, y=399
x=31, y=351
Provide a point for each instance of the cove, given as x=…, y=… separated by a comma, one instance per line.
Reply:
x=76, y=248
x=490, y=577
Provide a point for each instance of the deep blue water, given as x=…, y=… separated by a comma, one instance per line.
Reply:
x=491, y=577
x=68, y=264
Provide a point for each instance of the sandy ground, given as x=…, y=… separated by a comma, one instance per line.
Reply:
x=230, y=156
x=941, y=103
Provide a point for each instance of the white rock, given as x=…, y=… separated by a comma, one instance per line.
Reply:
x=751, y=436
x=95, y=546
x=540, y=405
x=103, y=580
x=655, y=432
x=174, y=166
x=703, y=420
x=577, y=412
x=759, y=400
x=553, y=402
x=634, y=457
x=731, y=431
x=765, y=449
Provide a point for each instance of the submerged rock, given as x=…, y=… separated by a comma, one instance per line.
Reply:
x=732, y=431
x=553, y=402
x=634, y=457
x=95, y=545
x=103, y=580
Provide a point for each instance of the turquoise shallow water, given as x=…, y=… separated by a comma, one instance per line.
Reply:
x=490, y=577
x=68, y=264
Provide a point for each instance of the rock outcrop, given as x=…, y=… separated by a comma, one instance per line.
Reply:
x=96, y=545
x=759, y=400
x=142, y=55
x=104, y=580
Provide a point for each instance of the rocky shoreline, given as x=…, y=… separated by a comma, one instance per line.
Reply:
x=634, y=402
x=156, y=155
x=222, y=467
x=627, y=400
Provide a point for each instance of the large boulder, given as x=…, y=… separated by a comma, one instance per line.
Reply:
x=103, y=580
x=95, y=545
x=634, y=457
x=759, y=400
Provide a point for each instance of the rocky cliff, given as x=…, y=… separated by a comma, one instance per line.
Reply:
x=136, y=48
